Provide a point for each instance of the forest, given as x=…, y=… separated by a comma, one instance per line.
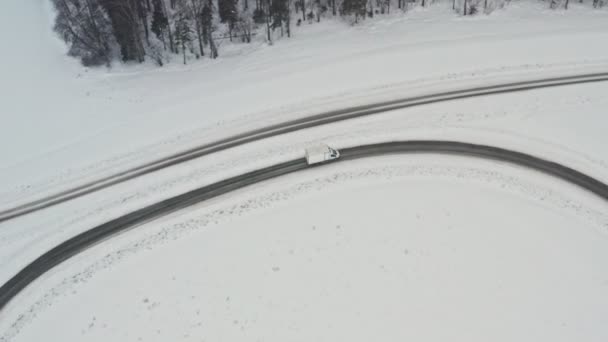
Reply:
x=99, y=32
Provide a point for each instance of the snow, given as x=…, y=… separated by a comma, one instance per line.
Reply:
x=376, y=247
x=493, y=251
x=561, y=124
x=66, y=124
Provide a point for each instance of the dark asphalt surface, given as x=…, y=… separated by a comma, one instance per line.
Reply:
x=286, y=127
x=97, y=234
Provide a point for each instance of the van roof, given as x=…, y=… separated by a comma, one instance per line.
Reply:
x=319, y=148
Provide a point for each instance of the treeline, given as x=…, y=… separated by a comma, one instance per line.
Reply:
x=101, y=31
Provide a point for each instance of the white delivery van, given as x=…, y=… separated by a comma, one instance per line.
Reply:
x=321, y=154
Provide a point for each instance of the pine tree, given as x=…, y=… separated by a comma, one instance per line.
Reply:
x=194, y=10
x=259, y=16
x=143, y=7
x=183, y=33
x=126, y=24
x=280, y=14
x=354, y=7
x=207, y=24
x=85, y=26
x=207, y=21
x=228, y=13
x=160, y=22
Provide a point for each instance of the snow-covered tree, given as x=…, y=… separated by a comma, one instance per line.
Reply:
x=354, y=7
x=281, y=14
x=128, y=26
x=85, y=26
x=183, y=33
x=99, y=31
x=160, y=22
x=209, y=28
x=228, y=13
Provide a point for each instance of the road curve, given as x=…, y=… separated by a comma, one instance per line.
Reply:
x=290, y=126
x=91, y=237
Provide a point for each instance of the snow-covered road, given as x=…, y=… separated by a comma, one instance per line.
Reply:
x=17, y=209
x=64, y=124
x=546, y=123
x=418, y=247
x=72, y=247
x=540, y=122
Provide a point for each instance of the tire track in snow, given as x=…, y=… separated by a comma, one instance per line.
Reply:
x=87, y=239
x=287, y=127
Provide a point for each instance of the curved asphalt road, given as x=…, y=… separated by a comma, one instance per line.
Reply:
x=286, y=127
x=89, y=238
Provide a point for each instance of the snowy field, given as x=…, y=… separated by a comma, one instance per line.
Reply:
x=566, y=124
x=382, y=247
x=63, y=124
x=523, y=254
x=420, y=247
